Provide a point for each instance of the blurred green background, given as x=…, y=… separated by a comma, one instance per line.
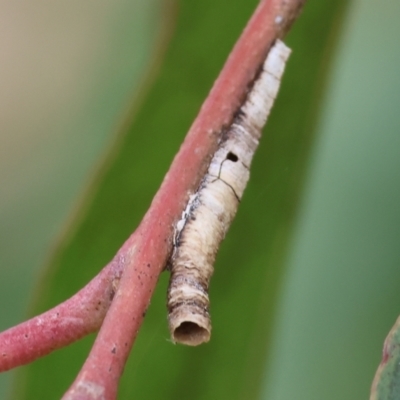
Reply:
x=305, y=288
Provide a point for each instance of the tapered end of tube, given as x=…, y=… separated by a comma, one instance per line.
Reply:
x=189, y=325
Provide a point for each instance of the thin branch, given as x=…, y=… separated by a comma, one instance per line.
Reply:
x=147, y=251
x=78, y=316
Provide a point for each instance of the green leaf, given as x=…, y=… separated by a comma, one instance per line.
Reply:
x=250, y=265
x=340, y=295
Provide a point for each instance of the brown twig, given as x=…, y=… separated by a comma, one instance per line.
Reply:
x=147, y=251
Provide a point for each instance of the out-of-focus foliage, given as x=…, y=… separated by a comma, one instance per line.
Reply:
x=245, y=292
x=341, y=294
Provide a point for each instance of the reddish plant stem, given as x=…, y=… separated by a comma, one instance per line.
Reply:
x=99, y=377
x=78, y=316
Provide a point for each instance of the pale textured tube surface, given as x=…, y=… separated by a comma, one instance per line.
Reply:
x=212, y=208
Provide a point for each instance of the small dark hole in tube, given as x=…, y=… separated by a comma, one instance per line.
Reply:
x=232, y=157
